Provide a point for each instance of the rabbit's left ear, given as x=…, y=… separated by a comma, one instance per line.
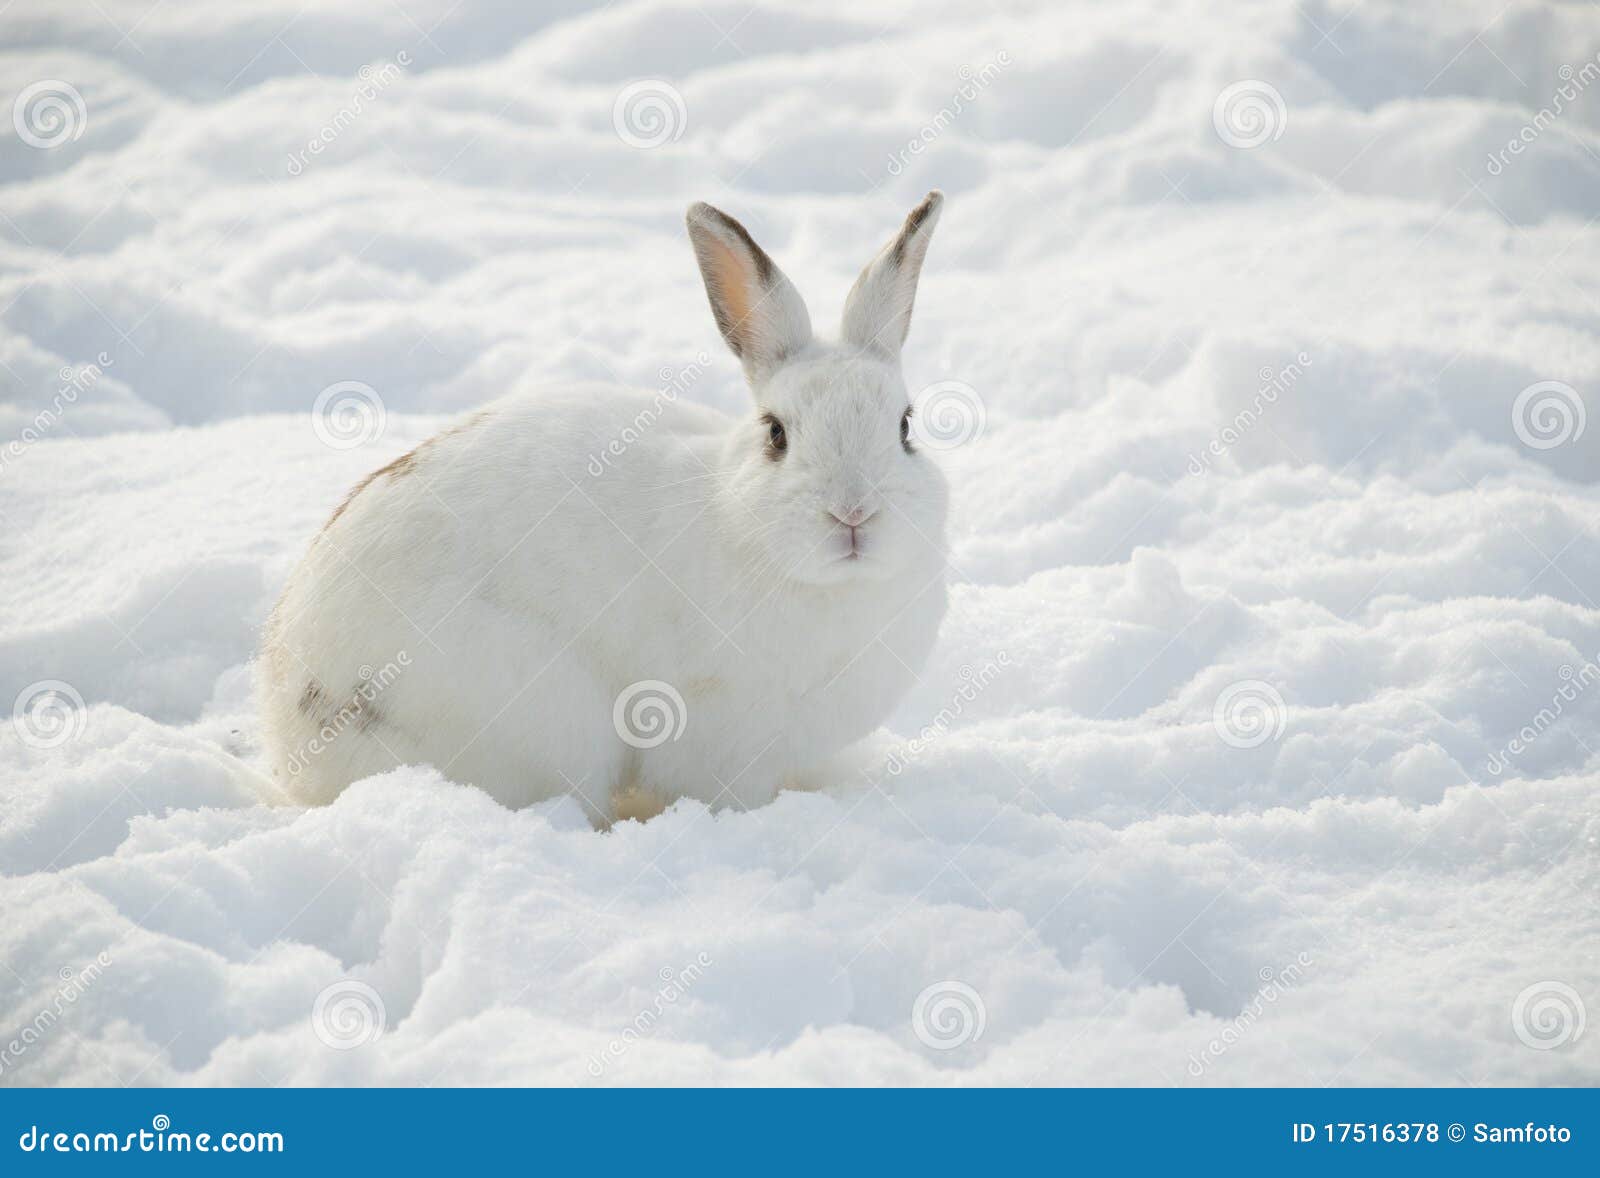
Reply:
x=877, y=314
x=757, y=308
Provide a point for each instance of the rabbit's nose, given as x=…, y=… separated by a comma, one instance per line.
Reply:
x=853, y=517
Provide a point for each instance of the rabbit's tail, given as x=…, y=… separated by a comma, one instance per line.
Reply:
x=252, y=779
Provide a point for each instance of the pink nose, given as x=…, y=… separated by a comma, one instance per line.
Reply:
x=853, y=518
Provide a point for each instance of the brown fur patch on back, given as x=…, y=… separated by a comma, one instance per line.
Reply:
x=400, y=466
x=404, y=464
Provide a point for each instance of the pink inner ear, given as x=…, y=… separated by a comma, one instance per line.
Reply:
x=730, y=274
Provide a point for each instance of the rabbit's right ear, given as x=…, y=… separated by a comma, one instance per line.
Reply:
x=877, y=312
x=757, y=308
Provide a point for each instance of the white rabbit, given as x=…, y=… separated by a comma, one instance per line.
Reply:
x=711, y=611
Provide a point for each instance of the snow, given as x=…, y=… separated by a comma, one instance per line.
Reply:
x=1254, y=750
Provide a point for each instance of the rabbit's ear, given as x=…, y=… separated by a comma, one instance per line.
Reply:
x=757, y=308
x=877, y=313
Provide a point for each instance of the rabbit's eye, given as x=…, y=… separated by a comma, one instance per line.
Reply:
x=777, y=439
x=905, y=431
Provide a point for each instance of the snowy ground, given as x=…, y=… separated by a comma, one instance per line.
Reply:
x=1222, y=779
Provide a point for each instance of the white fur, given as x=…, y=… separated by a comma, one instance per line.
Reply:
x=482, y=606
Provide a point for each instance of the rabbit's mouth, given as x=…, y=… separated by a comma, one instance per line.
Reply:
x=853, y=545
x=854, y=559
x=850, y=528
